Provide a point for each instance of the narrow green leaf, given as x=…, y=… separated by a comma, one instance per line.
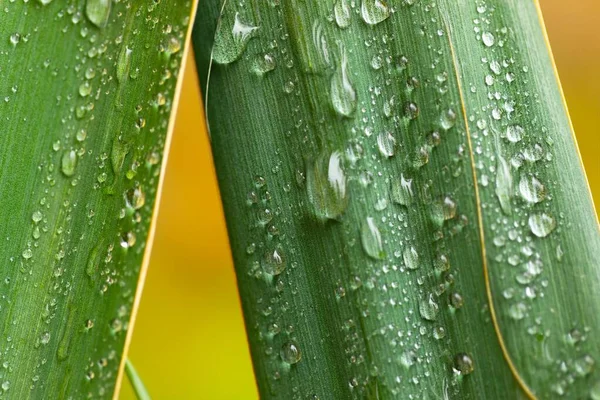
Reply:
x=136, y=382
x=412, y=165
x=87, y=90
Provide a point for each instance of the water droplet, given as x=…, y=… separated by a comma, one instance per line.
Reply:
x=68, y=162
x=463, y=364
x=85, y=89
x=514, y=133
x=411, y=110
x=411, y=258
x=541, y=224
x=27, y=253
x=326, y=186
x=290, y=353
x=428, y=308
x=343, y=95
x=447, y=119
x=135, y=198
x=504, y=184
x=264, y=63
x=584, y=365
x=401, y=191
x=595, y=391
x=374, y=11
x=342, y=13
x=517, y=311
x=124, y=64
x=36, y=216
x=274, y=262
x=456, y=300
x=488, y=39
x=98, y=12
x=15, y=38
x=531, y=189
x=386, y=143
x=439, y=332
x=371, y=239
x=231, y=39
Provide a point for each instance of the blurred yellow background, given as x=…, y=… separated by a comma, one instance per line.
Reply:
x=189, y=340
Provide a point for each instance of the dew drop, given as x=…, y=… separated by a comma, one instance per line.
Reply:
x=504, y=184
x=343, y=95
x=447, y=119
x=514, y=133
x=463, y=364
x=274, y=262
x=488, y=39
x=342, y=13
x=531, y=189
x=98, y=11
x=231, y=39
x=374, y=11
x=290, y=353
x=326, y=186
x=387, y=144
x=541, y=224
x=411, y=258
x=428, y=308
x=371, y=239
x=124, y=64
x=401, y=191
x=68, y=162
x=264, y=63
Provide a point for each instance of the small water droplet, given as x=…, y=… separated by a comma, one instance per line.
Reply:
x=447, y=119
x=401, y=191
x=264, y=63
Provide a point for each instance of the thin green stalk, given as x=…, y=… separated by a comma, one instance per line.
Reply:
x=136, y=382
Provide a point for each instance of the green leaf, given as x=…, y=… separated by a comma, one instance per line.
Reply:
x=87, y=89
x=413, y=167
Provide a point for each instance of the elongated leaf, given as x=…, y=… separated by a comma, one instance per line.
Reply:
x=406, y=206
x=87, y=92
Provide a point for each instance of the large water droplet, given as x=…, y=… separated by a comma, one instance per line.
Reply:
x=326, y=186
x=342, y=13
x=371, y=239
x=231, y=39
x=531, y=189
x=374, y=11
x=541, y=224
x=343, y=95
x=447, y=119
x=98, y=12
